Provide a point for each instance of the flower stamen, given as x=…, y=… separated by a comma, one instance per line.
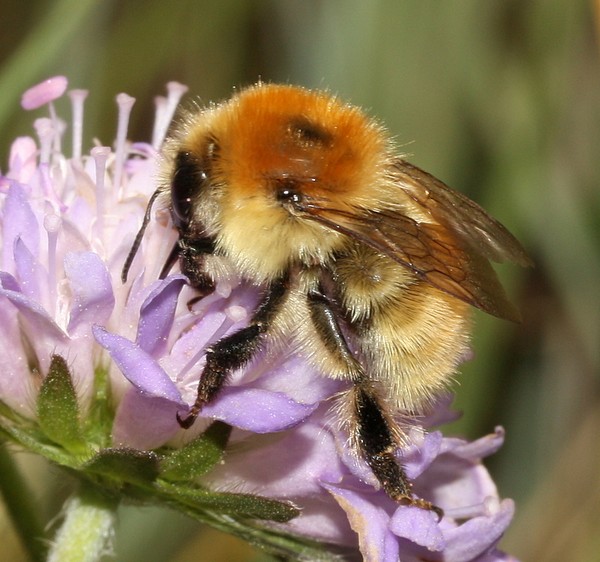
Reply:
x=165, y=109
x=77, y=100
x=100, y=155
x=125, y=104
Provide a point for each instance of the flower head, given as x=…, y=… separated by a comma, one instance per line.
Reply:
x=67, y=226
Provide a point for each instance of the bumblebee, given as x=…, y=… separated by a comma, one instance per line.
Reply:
x=368, y=265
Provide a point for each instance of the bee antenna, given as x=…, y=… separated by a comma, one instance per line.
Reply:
x=138, y=237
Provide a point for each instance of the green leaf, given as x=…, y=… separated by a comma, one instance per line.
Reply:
x=239, y=505
x=198, y=456
x=125, y=465
x=57, y=408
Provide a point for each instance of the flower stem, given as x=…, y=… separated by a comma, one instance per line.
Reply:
x=17, y=499
x=87, y=531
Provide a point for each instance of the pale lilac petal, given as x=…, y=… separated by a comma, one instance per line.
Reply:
x=192, y=343
x=136, y=413
x=29, y=271
x=42, y=325
x=93, y=299
x=453, y=483
x=419, y=526
x=478, y=535
x=16, y=380
x=478, y=449
x=256, y=410
x=370, y=522
x=289, y=464
x=22, y=162
x=281, y=374
x=496, y=556
x=44, y=92
x=418, y=457
x=19, y=221
x=156, y=315
x=322, y=519
x=139, y=368
x=357, y=466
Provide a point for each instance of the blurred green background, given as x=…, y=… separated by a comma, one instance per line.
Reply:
x=500, y=99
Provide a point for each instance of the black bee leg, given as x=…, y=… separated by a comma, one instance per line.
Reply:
x=373, y=430
x=192, y=256
x=378, y=436
x=235, y=351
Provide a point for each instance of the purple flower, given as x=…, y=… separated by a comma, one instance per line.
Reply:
x=67, y=227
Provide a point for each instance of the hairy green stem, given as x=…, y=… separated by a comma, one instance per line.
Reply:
x=88, y=528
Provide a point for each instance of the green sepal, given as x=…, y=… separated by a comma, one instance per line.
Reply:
x=100, y=415
x=124, y=465
x=57, y=409
x=198, y=456
x=242, y=506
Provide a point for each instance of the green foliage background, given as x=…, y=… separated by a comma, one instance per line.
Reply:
x=500, y=99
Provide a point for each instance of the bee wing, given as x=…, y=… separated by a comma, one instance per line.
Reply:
x=451, y=251
x=460, y=214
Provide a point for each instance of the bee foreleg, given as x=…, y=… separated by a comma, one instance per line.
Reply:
x=192, y=255
x=236, y=350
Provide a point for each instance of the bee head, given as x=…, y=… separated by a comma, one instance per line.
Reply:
x=250, y=170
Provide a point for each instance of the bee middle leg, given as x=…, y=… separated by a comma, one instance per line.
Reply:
x=236, y=350
x=373, y=429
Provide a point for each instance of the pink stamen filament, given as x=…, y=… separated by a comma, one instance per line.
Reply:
x=100, y=155
x=487, y=507
x=164, y=113
x=77, y=100
x=56, y=129
x=160, y=103
x=125, y=104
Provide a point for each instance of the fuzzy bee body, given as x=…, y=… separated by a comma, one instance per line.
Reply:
x=368, y=264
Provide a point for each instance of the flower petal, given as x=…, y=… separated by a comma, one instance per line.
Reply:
x=138, y=367
x=478, y=449
x=137, y=413
x=257, y=410
x=41, y=324
x=29, y=271
x=478, y=535
x=22, y=162
x=18, y=222
x=294, y=376
x=422, y=452
x=419, y=526
x=93, y=298
x=16, y=380
x=370, y=521
x=290, y=464
x=156, y=315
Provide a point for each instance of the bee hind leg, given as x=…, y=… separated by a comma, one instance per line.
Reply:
x=376, y=435
x=374, y=432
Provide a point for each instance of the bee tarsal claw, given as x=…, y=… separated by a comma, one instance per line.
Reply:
x=423, y=504
x=187, y=420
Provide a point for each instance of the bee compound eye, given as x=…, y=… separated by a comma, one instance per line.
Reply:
x=288, y=193
x=187, y=181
